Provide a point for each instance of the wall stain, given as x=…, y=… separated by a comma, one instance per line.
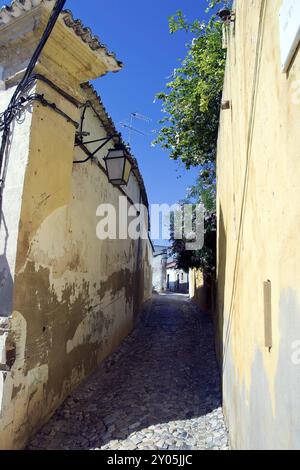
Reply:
x=123, y=279
x=15, y=391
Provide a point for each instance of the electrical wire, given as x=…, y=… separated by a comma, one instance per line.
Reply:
x=16, y=104
x=41, y=98
x=59, y=90
x=255, y=85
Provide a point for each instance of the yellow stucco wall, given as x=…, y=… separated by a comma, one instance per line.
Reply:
x=258, y=235
x=67, y=298
x=202, y=291
x=198, y=290
x=75, y=297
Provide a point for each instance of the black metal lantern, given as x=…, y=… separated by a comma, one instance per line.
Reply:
x=118, y=166
x=225, y=14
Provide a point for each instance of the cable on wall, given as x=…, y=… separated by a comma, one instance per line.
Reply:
x=257, y=67
x=18, y=99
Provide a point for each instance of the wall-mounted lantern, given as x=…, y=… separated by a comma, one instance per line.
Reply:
x=118, y=166
x=226, y=15
x=118, y=161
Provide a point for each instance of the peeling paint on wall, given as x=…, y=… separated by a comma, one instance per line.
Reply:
x=70, y=298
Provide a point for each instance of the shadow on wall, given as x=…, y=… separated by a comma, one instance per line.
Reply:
x=202, y=291
x=221, y=278
x=6, y=280
x=139, y=282
x=253, y=422
x=178, y=288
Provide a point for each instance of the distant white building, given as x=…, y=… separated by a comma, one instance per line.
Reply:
x=159, y=268
x=166, y=275
x=177, y=279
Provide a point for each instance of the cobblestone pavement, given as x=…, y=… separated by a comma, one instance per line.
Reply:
x=159, y=390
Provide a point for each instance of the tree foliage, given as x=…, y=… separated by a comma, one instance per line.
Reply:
x=203, y=192
x=191, y=108
x=204, y=259
x=191, y=102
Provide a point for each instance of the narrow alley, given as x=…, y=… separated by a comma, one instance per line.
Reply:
x=159, y=390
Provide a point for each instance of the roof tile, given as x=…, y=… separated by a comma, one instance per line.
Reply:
x=109, y=125
x=18, y=7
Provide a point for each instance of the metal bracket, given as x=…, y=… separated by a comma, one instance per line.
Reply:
x=90, y=154
x=79, y=142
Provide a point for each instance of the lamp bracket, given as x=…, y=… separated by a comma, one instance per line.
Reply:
x=104, y=141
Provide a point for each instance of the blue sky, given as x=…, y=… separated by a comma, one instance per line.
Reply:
x=137, y=31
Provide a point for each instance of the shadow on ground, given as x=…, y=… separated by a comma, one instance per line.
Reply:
x=156, y=391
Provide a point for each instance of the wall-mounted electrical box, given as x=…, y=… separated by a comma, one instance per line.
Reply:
x=268, y=314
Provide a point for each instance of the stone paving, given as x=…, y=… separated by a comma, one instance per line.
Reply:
x=159, y=390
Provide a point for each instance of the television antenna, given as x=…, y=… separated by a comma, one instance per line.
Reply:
x=130, y=126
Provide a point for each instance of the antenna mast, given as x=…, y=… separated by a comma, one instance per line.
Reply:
x=139, y=117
